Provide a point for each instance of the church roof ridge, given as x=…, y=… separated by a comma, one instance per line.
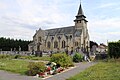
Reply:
x=59, y=28
x=62, y=30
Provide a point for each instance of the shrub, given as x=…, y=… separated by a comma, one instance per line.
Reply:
x=62, y=59
x=35, y=68
x=114, y=49
x=77, y=57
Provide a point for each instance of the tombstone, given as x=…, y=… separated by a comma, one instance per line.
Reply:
x=41, y=54
x=38, y=53
x=32, y=51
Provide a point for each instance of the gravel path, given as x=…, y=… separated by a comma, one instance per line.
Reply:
x=62, y=76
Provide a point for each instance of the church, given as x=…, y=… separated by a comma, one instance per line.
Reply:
x=70, y=38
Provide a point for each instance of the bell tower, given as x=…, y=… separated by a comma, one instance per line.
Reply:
x=80, y=20
x=81, y=25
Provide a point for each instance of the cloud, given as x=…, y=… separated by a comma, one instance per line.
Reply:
x=3, y=5
x=108, y=5
x=22, y=19
x=42, y=13
x=102, y=30
x=31, y=16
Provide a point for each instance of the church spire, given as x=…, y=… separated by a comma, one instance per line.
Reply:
x=80, y=16
x=80, y=11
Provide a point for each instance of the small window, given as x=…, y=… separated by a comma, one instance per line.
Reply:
x=63, y=44
x=79, y=21
x=76, y=43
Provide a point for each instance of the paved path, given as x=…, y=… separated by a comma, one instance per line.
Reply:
x=79, y=67
x=62, y=76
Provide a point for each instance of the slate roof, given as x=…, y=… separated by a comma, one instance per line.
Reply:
x=80, y=11
x=58, y=31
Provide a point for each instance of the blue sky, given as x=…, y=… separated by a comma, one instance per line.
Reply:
x=21, y=18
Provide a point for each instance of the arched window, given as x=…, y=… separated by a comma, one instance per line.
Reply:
x=55, y=44
x=76, y=43
x=48, y=44
x=39, y=39
x=63, y=44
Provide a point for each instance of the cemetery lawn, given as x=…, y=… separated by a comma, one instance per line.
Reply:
x=104, y=70
x=44, y=58
x=19, y=65
x=16, y=66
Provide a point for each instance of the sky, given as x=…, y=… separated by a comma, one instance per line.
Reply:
x=19, y=19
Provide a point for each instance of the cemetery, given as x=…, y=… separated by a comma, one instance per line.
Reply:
x=59, y=63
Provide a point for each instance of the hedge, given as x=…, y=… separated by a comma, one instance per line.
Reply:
x=114, y=49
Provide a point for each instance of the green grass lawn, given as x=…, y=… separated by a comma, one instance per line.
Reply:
x=44, y=58
x=8, y=63
x=16, y=66
x=102, y=71
x=32, y=57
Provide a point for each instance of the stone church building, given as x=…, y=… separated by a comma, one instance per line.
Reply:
x=66, y=38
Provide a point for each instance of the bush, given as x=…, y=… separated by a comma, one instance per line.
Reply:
x=62, y=59
x=114, y=49
x=77, y=57
x=35, y=68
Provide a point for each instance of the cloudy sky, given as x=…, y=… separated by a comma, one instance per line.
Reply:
x=19, y=19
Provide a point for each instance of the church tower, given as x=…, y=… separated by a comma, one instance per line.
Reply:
x=81, y=25
x=80, y=20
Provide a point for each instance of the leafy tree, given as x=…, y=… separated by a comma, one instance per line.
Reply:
x=6, y=44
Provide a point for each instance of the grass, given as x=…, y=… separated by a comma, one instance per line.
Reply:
x=19, y=65
x=109, y=70
x=44, y=58
x=16, y=66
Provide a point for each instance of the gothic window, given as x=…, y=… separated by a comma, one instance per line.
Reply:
x=39, y=39
x=76, y=43
x=55, y=44
x=52, y=38
x=48, y=44
x=77, y=33
x=63, y=44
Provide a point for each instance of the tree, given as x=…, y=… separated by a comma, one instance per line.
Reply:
x=6, y=44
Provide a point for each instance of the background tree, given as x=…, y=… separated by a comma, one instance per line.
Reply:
x=6, y=44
